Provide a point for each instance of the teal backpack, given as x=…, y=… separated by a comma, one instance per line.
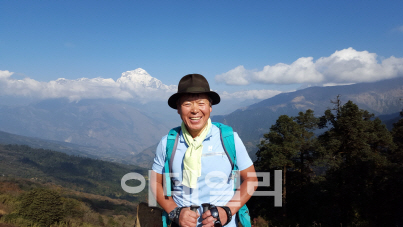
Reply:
x=227, y=139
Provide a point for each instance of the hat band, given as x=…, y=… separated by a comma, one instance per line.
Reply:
x=195, y=90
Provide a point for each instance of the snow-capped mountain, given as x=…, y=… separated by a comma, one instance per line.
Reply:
x=141, y=77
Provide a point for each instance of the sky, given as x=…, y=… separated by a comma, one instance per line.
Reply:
x=246, y=49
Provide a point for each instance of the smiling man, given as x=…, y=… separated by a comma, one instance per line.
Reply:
x=201, y=165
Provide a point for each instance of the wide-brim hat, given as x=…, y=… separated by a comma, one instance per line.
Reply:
x=193, y=84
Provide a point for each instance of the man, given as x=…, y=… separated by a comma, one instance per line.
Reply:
x=201, y=169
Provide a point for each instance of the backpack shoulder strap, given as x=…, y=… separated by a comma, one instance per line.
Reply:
x=172, y=141
x=227, y=139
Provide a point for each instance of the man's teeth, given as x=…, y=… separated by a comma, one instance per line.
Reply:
x=195, y=118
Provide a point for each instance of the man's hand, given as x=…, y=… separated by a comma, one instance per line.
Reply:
x=208, y=220
x=188, y=218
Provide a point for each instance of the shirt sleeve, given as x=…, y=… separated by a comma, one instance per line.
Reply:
x=242, y=157
x=160, y=156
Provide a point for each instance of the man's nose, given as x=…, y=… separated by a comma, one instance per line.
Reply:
x=195, y=108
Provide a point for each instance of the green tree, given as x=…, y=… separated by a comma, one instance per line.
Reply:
x=72, y=208
x=393, y=187
x=310, y=148
x=42, y=206
x=355, y=150
x=397, y=134
x=289, y=146
x=279, y=147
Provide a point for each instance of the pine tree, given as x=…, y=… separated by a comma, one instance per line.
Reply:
x=393, y=188
x=355, y=148
x=42, y=206
x=397, y=134
x=310, y=147
x=289, y=146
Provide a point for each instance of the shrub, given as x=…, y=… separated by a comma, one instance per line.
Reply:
x=72, y=208
x=42, y=206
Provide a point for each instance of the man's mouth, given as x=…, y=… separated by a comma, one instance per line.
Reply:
x=195, y=118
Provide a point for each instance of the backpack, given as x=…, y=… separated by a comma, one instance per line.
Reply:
x=227, y=140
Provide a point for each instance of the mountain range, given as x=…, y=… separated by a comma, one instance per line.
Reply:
x=111, y=128
x=251, y=122
x=128, y=132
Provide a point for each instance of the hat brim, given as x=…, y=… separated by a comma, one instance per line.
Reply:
x=172, y=101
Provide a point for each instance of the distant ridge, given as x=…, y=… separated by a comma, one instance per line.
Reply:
x=68, y=148
x=113, y=129
x=380, y=98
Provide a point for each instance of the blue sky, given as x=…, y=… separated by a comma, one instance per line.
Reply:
x=230, y=42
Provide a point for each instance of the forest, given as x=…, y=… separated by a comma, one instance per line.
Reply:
x=348, y=174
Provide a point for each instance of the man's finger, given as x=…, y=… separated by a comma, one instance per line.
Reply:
x=206, y=214
x=188, y=218
x=208, y=221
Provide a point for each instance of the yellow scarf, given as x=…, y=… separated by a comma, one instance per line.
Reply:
x=192, y=160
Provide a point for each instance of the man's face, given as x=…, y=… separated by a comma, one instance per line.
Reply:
x=194, y=110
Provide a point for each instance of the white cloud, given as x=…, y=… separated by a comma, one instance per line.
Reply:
x=344, y=66
x=300, y=71
x=136, y=85
x=351, y=66
x=5, y=74
x=237, y=76
x=250, y=94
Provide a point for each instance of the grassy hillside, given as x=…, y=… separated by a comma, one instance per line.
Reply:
x=77, y=173
x=47, y=188
x=25, y=202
